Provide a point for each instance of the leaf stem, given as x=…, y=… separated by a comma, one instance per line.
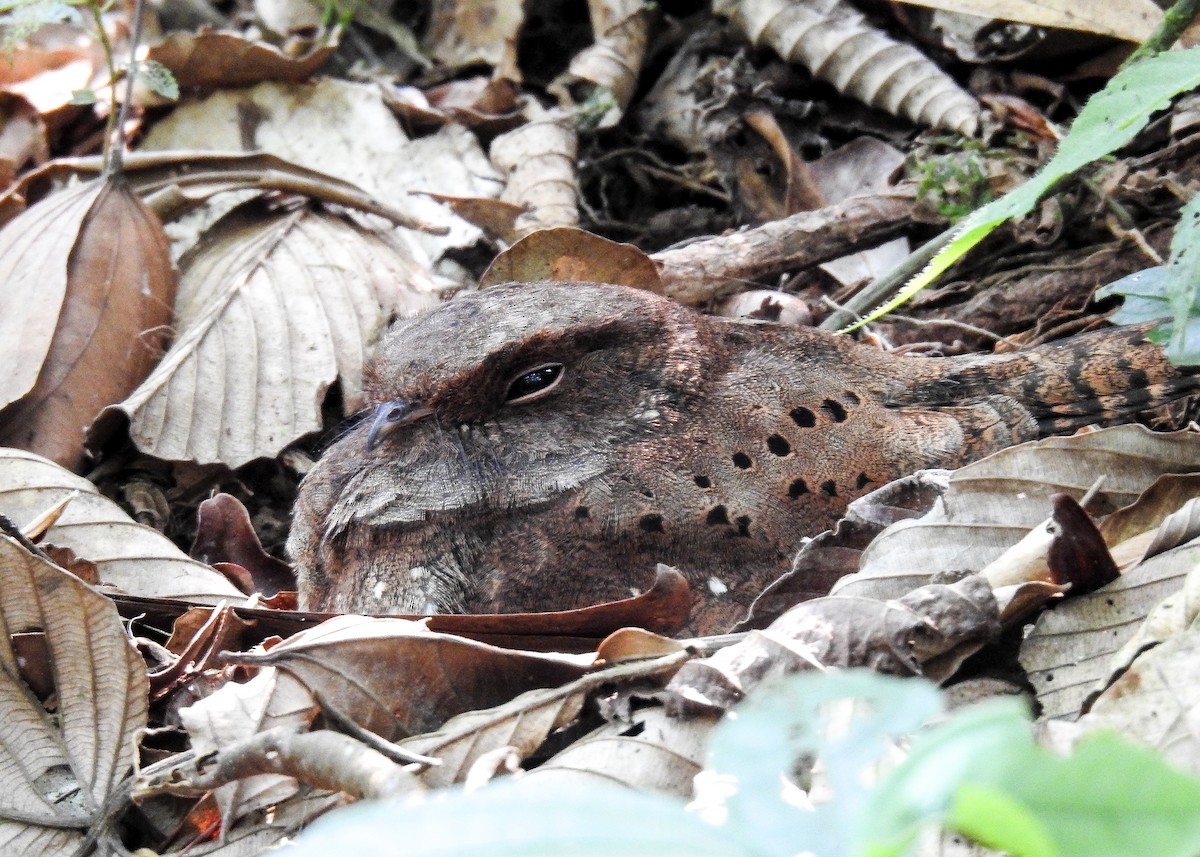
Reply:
x=116, y=147
x=1170, y=28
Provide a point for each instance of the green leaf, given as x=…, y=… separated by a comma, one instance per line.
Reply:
x=1169, y=291
x=982, y=774
x=1108, y=121
x=533, y=817
x=159, y=79
x=1023, y=832
x=82, y=97
x=757, y=744
x=923, y=788
x=22, y=19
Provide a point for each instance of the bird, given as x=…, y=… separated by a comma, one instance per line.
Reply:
x=543, y=446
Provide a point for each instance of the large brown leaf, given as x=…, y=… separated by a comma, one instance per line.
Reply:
x=57, y=771
x=993, y=503
x=128, y=555
x=90, y=286
x=273, y=307
x=397, y=678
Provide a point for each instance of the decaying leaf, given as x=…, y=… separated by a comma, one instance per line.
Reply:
x=224, y=534
x=468, y=33
x=23, y=140
x=613, y=61
x=927, y=631
x=237, y=711
x=365, y=669
x=1068, y=653
x=1153, y=696
x=273, y=307
x=651, y=751
x=992, y=504
x=210, y=59
x=89, y=286
x=539, y=160
x=565, y=253
x=835, y=42
x=344, y=130
x=838, y=552
x=128, y=555
x=58, y=769
x=1132, y=20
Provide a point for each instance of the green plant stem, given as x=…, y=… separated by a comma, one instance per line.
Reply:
x=1170, y=28
x=879, y=290
x=110, y=61
x=116, y=148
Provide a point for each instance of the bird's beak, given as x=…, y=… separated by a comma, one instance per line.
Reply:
x=390, y=416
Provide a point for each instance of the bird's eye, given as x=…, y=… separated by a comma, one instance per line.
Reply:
x=534, y=383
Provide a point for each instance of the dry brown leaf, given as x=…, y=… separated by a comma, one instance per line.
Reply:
x=928, y=631
x=23, y=140
x=1066, y=549
x=1155, y=688
x=838, y=552
x=992, y=504
x=35, y=250
x=367, y=669
x=237, y=711
x=613, y=61
x=525, y=722
x=272, y=309
x=1131, y=20
x=651, y=750
x=539, y=160
x=1146, y=514
x=129, y=556
x=481, y=103
x=47, y=67
x=110, y=284
x=834, y=41
x=224, y=534
x=572, y=255
x=173, y=183
x=521, y=725
x=212, y=60
x=59, y=769
x=495, y=217
x=1069, y=652
x=344, y=130
x=465, y=33
x=862, y=166
x=1171, y=617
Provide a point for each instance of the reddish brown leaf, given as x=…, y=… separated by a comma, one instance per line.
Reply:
x=1078, y=554
x=98, y=254
x=224, y=534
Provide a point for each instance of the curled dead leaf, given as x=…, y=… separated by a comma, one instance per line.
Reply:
x=538, y=160
x=836, y=43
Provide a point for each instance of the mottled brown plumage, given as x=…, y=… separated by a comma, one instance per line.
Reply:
x=665, y=435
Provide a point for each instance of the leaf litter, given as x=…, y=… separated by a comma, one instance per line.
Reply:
x=394, y=695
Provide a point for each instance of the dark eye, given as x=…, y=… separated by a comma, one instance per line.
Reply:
x=534, y=384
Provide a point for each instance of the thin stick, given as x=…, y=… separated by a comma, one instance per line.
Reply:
x=116, y=154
